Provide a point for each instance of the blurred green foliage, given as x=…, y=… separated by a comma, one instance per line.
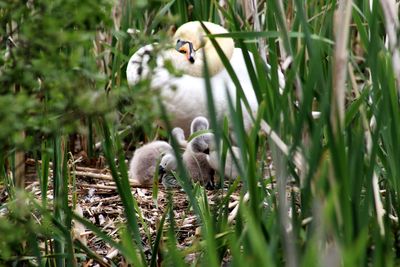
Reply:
x=49, y=77
x=22, y=229
x=62, y=66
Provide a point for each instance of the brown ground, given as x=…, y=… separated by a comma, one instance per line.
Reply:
x=98, y=201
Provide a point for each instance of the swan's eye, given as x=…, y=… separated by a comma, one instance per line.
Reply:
x=179, y=46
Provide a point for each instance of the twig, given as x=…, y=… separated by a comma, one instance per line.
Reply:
x=98, y=145
x=98, y=186
x=298, y=157
x=31, y=162
x=235, y=211
x=87, y=169
x=92, y=173
x=112, y=254
x=107, y=177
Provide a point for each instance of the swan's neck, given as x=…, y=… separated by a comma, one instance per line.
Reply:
x=214, y=62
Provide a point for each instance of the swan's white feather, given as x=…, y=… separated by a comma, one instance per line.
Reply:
x=185, y=97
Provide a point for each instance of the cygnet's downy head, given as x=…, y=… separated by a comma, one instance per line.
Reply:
x=192, y=42
x=201, y=143
x=167, y=164
x=198, y=124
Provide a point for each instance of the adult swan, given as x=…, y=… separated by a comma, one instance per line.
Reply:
x=184, y=96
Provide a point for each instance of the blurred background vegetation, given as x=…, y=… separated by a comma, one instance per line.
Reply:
x=62, y=82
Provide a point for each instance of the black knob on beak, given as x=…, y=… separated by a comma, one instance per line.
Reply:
x=189, y=51
x=161, y=170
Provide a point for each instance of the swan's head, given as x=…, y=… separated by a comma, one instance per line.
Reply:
x=191, y=43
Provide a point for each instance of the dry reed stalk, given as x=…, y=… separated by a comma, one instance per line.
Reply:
x=286, y=229
x=287, y=57
x=20, y=166
x=390, y=8
x=254, y=5
x=247, y=10
x=19, y=156
x=342, y=28
x=286, y=52
x=298, y=159
x=280, y=162
x=222, y=4
x=380, y=211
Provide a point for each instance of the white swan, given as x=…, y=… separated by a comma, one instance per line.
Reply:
x=184, y=97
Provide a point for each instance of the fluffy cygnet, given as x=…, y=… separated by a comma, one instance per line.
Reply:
x=195, y=158
x=144, y=162
x=213, y=158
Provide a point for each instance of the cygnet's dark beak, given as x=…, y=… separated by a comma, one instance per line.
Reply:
x=207, y=151
x=161, y=171
x=186, y=47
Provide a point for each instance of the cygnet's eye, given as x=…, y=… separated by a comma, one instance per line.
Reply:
x=177, y=41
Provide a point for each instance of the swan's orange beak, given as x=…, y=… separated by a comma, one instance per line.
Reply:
x=186, y=48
